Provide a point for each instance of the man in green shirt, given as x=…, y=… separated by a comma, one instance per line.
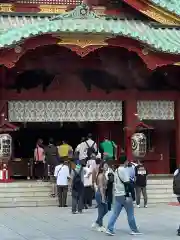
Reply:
x=108, y=149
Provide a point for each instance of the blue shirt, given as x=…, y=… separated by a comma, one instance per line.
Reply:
x=131, y=173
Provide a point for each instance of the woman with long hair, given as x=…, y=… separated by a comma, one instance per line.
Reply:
x=39, y=158
x=100, y=195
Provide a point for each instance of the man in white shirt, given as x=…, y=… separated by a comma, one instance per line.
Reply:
x=82, y=148
x=62, y=176
x=122, y=199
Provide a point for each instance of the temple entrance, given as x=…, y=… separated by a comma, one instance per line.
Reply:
x=25, y=139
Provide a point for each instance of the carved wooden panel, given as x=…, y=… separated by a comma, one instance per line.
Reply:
x=155, y=110
x=64, y=111
x=51, y=2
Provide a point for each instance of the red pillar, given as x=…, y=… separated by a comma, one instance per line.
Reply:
x=129, y=125
x=177, y=131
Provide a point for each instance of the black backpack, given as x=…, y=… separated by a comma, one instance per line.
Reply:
x=110, y=177
x=90, y=150
x=176, y=184
x=77, y=181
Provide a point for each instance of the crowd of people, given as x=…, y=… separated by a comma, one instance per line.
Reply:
x=94, y=176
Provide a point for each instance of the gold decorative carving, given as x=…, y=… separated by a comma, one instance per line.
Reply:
x=56, y=9
x=145, y=51
x=6, y=7
x=83, y=41
x=82, y=52
x=99, y=10
x=160, y=15
x=177, y=64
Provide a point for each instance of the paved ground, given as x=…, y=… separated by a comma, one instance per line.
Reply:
x=157, y=223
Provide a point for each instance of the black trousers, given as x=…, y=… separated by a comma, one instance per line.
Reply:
x=78, y=200
x=49, y=169
x=62, y=195
x=88, y=192
x=39, y=170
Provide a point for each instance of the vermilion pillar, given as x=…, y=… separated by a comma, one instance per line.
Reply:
x=130, y=125
x=177, y=131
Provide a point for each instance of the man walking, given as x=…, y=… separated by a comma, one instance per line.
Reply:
x=141, y=182
x=65, y=151
x=122, y=199
x=176, y=189
x=52, y=160
x=61, y=174
x=87, y=148
x=108, y=149
x=77, y=177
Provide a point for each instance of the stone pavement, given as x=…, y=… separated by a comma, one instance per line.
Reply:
x=53, y=223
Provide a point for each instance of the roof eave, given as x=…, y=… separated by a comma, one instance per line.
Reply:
x=154, y=12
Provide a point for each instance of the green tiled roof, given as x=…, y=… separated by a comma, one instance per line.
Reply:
x=82, y=20
x=170, y=5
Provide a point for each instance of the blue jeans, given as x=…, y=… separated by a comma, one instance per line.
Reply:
x=120, y=202
x=102, y=208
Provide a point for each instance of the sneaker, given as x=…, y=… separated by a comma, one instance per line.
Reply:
x=145, y=206
x=135, y=233
x=95, y=226
x=101, y=229
x=110, y=233
x=138, y=206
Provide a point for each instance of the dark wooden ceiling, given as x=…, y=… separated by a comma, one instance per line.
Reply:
x=107, y=68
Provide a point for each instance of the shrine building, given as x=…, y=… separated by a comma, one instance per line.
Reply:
x=69, y=67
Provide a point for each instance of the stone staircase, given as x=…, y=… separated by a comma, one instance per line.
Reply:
x=160, y=190
x=26, y=194
x=33, y=193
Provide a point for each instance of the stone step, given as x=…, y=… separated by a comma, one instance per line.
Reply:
x=22, y=190
x=161, y=181
x=25, y=194
x=159, y=186
x=159, y=191
x=25, y=184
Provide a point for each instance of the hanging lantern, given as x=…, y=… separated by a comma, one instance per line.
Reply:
x=5, y=147
x=139, y=145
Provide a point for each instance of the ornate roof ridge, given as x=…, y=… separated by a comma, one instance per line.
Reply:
x=160, y=39
x=82, y=11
